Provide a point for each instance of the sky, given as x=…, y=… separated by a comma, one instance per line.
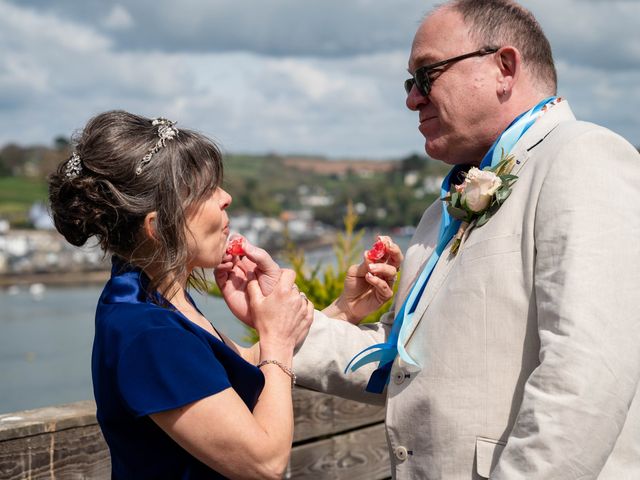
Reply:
x=277, y=76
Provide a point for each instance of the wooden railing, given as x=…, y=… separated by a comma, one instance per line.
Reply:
x=334, y=439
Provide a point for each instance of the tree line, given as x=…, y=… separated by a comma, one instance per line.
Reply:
x=271, y=185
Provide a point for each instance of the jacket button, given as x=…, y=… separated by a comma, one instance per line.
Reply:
x=400, y=453
x=398, y=377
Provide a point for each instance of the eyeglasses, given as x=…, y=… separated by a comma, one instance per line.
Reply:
x=423, y=81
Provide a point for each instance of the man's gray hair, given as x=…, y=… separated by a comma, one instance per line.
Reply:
x=503, y=22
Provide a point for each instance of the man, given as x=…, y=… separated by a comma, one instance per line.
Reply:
x=521, y=359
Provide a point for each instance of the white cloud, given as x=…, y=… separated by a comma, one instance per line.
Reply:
x=324, y=106
x=602, y=34
x=610, y=99
x=56, y=72
x=118, y=19
x=30, y=29
x=247, y=102
x=274, y=27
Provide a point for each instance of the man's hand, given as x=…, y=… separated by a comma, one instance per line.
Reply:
x=367, y=286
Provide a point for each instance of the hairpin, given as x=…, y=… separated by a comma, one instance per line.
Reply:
x=166, y=131
x=74, y=166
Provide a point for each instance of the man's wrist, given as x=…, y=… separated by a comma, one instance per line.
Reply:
x=339, y=311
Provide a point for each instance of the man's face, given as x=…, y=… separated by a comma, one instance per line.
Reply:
x=456, y=118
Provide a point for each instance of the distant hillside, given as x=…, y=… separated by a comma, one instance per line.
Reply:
x=323, y=166
x=388, y=193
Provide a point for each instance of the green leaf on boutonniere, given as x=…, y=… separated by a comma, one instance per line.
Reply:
x=505, y=164
x=482, y=219
x=502, y=195
x=457, y=213
x=454, y=198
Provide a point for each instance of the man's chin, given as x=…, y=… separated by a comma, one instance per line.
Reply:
x=434, y=150
x=439, y=151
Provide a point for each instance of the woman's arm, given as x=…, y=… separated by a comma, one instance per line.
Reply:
x=250, y=354
x=220, y=430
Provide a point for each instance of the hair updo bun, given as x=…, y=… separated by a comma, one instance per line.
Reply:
x=69, y=209
x=81, y=209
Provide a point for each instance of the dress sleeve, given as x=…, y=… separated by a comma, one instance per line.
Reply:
x=165, y=368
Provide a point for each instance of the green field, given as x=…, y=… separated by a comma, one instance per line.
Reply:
x=17, y=194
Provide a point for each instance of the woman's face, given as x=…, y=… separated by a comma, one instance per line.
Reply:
x=208, y=230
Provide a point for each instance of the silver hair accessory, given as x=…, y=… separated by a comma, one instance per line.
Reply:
x=166, y=131
x=74, y=166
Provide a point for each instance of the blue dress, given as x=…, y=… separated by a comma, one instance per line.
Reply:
x=147, y=359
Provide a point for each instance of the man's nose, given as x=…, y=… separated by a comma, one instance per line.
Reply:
x=415, y=99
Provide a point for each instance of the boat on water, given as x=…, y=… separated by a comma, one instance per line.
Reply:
x=37, y=290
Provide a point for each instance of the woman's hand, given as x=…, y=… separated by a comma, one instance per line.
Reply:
x=281, y=318
x=367, y=286
x=231, y=278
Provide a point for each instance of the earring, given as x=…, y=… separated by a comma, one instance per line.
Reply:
x=504, y=90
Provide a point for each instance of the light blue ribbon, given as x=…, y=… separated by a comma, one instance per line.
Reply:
x=385, y=353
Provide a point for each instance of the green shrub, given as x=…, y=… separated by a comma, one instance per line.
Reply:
x=323, y=284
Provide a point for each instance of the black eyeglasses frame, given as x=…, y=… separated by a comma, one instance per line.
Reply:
x=421, y=76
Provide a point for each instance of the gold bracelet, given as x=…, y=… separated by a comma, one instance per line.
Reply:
x=283, y=367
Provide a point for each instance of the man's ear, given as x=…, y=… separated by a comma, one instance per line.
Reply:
x=149, y=226
x=509, y=65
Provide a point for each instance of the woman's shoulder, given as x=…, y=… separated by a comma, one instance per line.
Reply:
x=132, y=318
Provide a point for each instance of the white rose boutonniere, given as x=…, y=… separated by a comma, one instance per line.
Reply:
x=480, y=195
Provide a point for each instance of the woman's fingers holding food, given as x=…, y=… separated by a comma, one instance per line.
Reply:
x=262, y=259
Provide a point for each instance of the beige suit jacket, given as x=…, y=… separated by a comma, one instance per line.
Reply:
x=529, y=339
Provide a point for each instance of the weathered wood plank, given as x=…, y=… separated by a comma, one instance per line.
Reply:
x=312, y=414
x=47, y=419
x=358, y=455
x=317, y=414
x=78, y=453
x=312, y=461
x=65, y=441
x=362, y=454
x=81, y=453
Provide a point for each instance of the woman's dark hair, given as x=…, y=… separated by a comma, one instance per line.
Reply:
x=109, y=201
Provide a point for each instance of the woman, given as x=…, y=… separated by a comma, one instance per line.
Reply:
x=175, y=398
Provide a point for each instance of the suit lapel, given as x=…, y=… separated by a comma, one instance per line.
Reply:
x=440, y=272
x=421, y=247
x=533, y=137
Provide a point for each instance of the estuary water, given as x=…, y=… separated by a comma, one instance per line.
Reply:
x=46, y=338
